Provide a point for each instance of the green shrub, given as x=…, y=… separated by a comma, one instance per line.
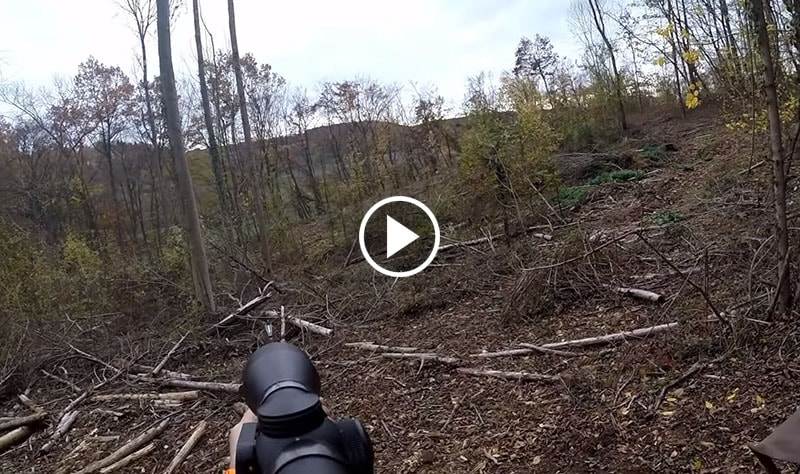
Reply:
x=572, y=196
x=617, y=176
x=652, y=152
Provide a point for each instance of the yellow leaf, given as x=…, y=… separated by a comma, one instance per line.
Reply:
x=760, y=402
x=732, y=396
x=709, y=405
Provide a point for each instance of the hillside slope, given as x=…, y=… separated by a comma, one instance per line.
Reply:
x=693, y=209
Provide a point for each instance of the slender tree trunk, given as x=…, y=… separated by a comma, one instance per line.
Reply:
x=213, y=148
x=757, y=13
x=158, y=178
x=192, y=229
x=597, y=15
x=112, y=182
x=257, y=192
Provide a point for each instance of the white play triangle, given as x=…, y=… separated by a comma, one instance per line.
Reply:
x=398, y=236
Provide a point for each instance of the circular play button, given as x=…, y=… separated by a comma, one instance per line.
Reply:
x=402, y=234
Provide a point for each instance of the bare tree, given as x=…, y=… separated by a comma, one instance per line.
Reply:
x=599, y=22
x=143, y=13
x=192, y=229
x=208, y=119
x=257, y=192
x=757, y=14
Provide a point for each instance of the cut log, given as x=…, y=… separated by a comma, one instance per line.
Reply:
x=13, y=438
x=616, y=337
x=192, y=395
x=369, y=346
x=187, y=448
x=129, y=459
x=22, y=421
x=64, y=425
x=163, y=362
x=519, y=376
x=208, y=386
x=131, y=447
x=424, y=356
x=310, y=327
x=640, y=294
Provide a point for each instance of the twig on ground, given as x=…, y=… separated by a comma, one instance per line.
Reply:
x=421, y=356
x=187, y=447
x=208, y=386
x=64, y=425
x=129, y=459
x=62, y=380
x=694, y=285
x=131, y=447
x=163, y=362
x=369, y=346
x=695, y=368
x=181, y=396
x=519, y=376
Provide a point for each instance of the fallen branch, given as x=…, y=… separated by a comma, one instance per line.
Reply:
x=368, y=346
x=163, y=362
x=13, y=438
x=615, y=337
x=519, y=376
x=129, y=459
x=508, y=353
x=755, y=166
x=128, y=448
x=640, y=294
x=193, y=395
x=169, y=373
x=64, y=425
x=423, y=356
x=22, y=421
x=695, y=368
x=244, y=309
x=694, y=285
x=187, y=448
x=92, y=358
x=209, y=386
x=62, y=380
x=545, y=350
x=310, y=327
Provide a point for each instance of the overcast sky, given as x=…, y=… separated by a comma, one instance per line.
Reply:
x=429, y=42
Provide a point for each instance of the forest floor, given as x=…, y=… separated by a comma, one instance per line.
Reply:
x=601, y=412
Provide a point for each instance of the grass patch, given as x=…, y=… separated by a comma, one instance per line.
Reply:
x=617, y=176
x=572, y=196
x=666, y=217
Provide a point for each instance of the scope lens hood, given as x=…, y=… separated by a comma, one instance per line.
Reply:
x=281, y=386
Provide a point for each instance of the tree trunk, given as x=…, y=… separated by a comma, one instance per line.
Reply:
x=213, y=148
x=783, y=298
x=153, y=136
x=597, y=15
x=192, y=229
x=257, y=192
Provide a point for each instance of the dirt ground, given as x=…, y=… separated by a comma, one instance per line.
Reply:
x=701, y=213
